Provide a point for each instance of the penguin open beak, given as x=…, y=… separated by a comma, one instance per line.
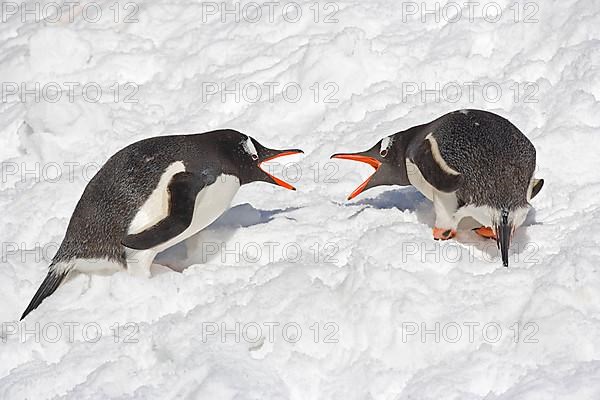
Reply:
x=361, y=157
x=273, y=154
x=504, y=231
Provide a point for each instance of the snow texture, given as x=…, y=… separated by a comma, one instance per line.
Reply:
x=303, y=295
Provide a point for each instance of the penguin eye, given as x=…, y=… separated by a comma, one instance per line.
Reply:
x=255, y=157
x=383, y=153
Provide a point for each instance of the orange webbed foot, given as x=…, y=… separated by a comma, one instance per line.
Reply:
x=486, y=232
x=443, y=234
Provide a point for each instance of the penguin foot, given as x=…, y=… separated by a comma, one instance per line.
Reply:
x=486, y=232
x=443, y=234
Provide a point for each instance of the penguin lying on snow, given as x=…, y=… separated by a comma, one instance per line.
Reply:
x=469, y=163
x=154, y=194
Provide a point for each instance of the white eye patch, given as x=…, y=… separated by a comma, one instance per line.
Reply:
x=386, y=142
x=250, y=149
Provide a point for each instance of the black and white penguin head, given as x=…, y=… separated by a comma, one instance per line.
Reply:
x=388, y=161
x=250, y=154
x=505, y=219
x=504, y=223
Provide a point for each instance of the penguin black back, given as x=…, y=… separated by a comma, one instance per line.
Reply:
x=485, y=148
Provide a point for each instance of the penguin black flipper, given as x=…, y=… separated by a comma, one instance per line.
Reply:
x=426, y=156
x=183, y=189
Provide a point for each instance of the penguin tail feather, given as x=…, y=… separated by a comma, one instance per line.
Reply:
x=49, y=286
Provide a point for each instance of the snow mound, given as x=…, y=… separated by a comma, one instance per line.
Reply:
x=303, y=295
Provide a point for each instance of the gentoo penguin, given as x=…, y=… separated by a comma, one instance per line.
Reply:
x=151, y=195
x=469, y=163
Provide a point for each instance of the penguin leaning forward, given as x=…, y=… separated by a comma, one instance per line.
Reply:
x=470, y=163
x=151, y=195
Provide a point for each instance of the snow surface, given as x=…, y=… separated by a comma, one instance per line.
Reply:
x=368, y=275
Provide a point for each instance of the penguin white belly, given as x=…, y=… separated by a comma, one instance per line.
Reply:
x=418, y=181
x=445, y=204
x=210, y=203
x=481, y=214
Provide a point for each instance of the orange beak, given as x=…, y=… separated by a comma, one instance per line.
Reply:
x=364, y=159
x=278, y=181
